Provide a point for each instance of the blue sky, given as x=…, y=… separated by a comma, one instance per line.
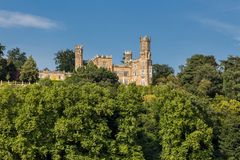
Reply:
x=178, y=28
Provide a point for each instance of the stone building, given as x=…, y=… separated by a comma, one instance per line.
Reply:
x=54, y=75
x=137, y=71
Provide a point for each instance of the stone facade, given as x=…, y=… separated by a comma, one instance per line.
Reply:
x=137, y=71
x=78, y=56
x=54, y=75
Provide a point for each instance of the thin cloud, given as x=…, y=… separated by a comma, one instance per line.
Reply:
x=16, y=19
x=222, y=27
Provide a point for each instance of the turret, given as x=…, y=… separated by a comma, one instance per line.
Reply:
x=78, y=56
x=145, y=50
x=127, y=56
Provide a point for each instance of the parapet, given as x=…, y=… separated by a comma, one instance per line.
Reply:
x=145, y=38
x=127, y=52
x=78, y=46
x=103, y=56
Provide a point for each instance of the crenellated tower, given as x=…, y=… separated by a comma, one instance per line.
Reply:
x=127, y=56
x=145, y=60
x=145, y=50
x=78, y=56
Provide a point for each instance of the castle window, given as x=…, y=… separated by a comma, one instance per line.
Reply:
x=135, y=73
x=121, y=81
x=142, y=73
x=150, y=71
x=125, y=73
x=125, y=81
x=104, y=65
x=143, y=65
x=134, y=66
x=143, y=82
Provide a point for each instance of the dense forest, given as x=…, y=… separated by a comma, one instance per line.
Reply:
x=194, y=114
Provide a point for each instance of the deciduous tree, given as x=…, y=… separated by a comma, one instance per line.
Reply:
x=65, y=60
x=161, y=71
x=183, y=131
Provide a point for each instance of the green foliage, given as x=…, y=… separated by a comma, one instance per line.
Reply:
x=231, y=74
x=65, y=60
x=69, y=122
x=2, y=48
x=148, y=132
x=91, y=116
x=184, y=133
x=161, y=71
x=45, y=82
x=3, y=68
x=29, y=71
x=12, y=72
x=17, y=57
x=8, y=110
x=226, y=127
x=128, y=117
x=200, y=76
x=93, y=74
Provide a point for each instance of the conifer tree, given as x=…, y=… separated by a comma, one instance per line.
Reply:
x=29, y=71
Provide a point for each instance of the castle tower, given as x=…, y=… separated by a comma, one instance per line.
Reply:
x=127, y=56
x=78, y=56
x=145, y=50
x=145, y=60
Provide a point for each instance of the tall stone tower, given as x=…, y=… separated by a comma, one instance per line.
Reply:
x=78, y=56
x=145, y=60
x=145, y=50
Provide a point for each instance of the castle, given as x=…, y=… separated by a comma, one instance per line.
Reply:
x=137, y=71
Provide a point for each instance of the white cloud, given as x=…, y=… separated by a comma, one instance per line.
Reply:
x=16, y=19
x=222, y=27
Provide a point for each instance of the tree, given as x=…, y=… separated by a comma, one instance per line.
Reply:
x=3, y=68
x=45, y=82
x=15, y=59
x=12, y=72
x=161, y=71
x=65, y=60
x=148, y=130
x=93, y=74
x=10, y=104
x=3, y=63
x=183, y=131
x=226, y=121
x=231, y=74
x=29, y=71
x=2, y=48
x=201, y=76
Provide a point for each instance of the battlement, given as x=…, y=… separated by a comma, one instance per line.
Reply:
x=103, y=56
x=79, y=46
x=145, y=38
x=127, y=52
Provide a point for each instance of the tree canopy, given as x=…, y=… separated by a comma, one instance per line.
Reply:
x=91, y=73
x=65, y=60
x=231, y=74
x=161, y=71
x=90, y=115
x=200, y=75
x=29, y=71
